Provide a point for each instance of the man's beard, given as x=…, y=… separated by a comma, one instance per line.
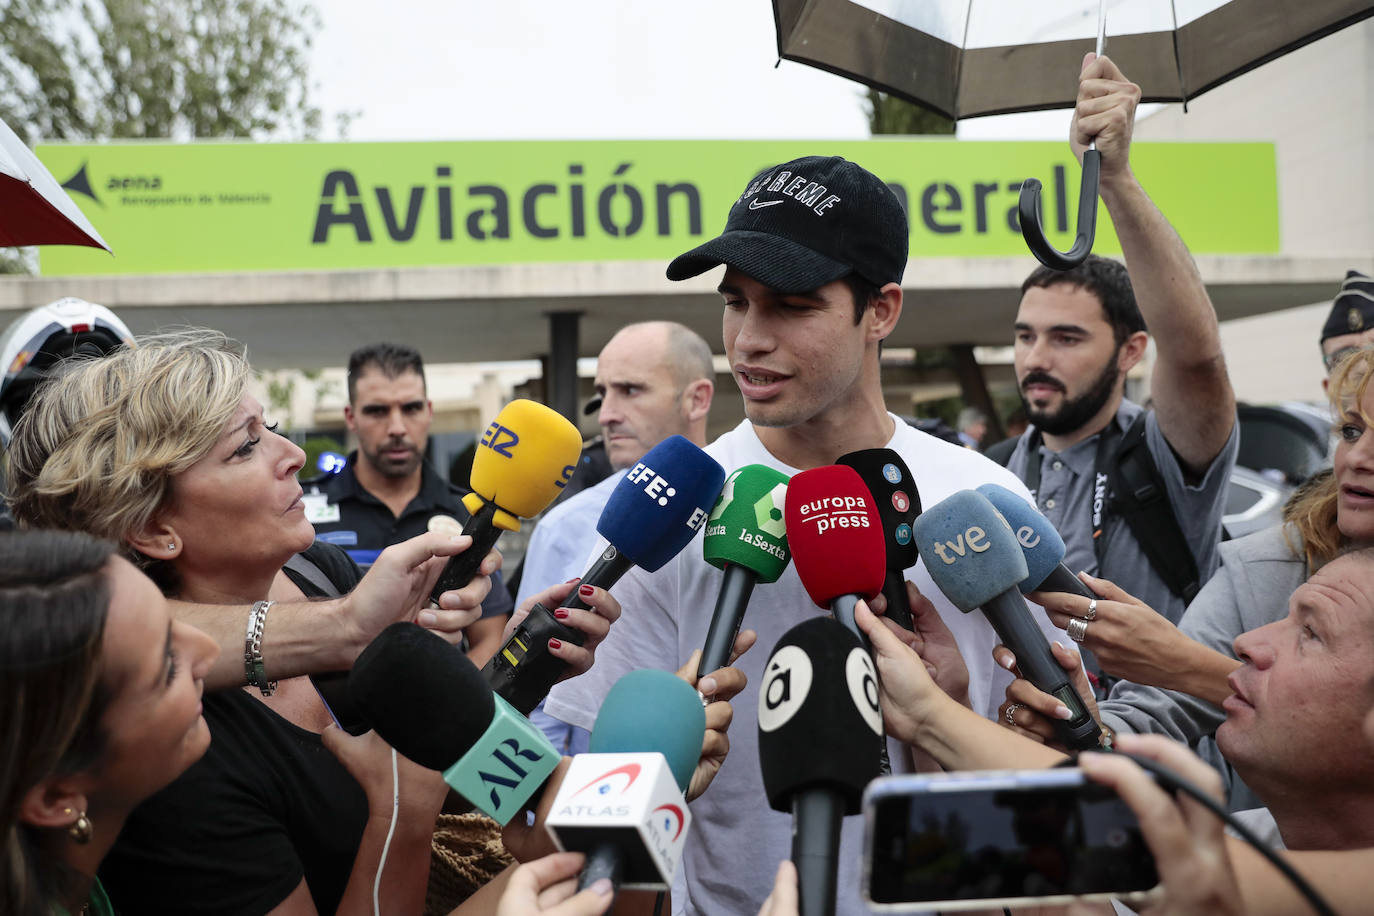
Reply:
x=395, y=470
x=1072, y=414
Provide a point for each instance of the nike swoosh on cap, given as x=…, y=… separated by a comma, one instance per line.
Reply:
x=760, y=204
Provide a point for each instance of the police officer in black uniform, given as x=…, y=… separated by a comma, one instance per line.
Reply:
x=387, y=492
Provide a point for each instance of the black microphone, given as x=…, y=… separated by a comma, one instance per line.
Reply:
x=976, y=561
x=898, y=503
x=820, y=730
x=425, y=699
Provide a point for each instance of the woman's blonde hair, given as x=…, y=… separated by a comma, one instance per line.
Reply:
x=1311, y=510
x=98, y=447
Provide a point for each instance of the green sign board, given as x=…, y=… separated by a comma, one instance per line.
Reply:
x=220, y=207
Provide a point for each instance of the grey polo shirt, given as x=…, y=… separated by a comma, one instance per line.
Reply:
x=1066, y=496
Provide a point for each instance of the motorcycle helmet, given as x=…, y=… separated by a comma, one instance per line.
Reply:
x=41, y=338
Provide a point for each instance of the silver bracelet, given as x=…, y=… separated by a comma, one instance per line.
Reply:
x=255, y=672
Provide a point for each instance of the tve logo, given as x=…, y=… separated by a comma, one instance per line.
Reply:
x=974, y=540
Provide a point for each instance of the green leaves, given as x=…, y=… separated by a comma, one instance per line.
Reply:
x=171, y=69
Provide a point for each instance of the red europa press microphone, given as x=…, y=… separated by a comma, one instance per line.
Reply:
x=836, y=538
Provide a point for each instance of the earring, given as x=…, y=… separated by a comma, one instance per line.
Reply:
x=81, y=829
x=172, y=546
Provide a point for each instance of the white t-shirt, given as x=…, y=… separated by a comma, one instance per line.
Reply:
x=736, y=839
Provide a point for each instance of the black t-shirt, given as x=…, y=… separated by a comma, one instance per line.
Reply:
x=365, y=525
x=266, y=806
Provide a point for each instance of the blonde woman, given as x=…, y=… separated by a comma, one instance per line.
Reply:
x=161, y=449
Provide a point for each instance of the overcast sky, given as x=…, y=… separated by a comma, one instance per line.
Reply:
x=600, y=69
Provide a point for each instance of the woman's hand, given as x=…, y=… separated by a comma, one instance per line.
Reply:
x=397, y=588
x=1030, y=711
x=549, y=886
x=930, y=639
x=718, y=688
x=1186, y=838
x=1130, y=639
x=594, y=623
x=907, y=686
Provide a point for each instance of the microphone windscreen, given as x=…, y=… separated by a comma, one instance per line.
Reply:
x=819, y=719
x=969, y=550
x=835, y=534
x=421, y=695
x=649, y=710
x=894, y=495
x=1039, y=542
x=523, y=461
x=660, y=503
x=746, y=527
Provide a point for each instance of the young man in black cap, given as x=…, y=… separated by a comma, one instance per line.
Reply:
x=1349, y=327
x=814, y=251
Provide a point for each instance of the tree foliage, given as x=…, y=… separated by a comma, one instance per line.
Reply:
x=888, y=114
x=169, y=69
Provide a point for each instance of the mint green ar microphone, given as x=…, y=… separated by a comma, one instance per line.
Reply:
x=746, y=539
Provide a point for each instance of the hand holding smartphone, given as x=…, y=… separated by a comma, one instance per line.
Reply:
x=1000, y=838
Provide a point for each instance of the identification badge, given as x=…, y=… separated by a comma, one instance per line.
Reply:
x=318, y=510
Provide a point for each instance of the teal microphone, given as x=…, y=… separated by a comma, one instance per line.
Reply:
x=622, y=803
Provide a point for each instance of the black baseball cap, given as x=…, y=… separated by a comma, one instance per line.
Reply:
x=804, y=223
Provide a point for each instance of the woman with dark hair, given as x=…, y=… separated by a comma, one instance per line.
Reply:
x=100, y=706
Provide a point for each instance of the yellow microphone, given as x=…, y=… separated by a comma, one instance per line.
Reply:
x=524, y=459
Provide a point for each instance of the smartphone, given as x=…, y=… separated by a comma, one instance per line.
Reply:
x=1000, y=838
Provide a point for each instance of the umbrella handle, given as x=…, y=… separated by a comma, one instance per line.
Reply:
x=1034, y=234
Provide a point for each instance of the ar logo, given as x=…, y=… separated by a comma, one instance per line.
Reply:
x=786, y=684
x=499, y=781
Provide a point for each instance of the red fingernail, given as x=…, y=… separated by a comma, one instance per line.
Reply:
x=586, y=591
x=572, y=580
x=555, y=643
x=561, y=613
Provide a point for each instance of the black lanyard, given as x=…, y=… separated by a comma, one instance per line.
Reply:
x=1102, y=464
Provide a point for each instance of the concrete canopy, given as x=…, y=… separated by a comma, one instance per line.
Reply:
x=469, y=314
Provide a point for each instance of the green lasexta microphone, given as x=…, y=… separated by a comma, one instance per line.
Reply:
x=747, y=539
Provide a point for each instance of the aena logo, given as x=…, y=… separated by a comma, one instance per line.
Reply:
x=501, y=440
x=506, y=782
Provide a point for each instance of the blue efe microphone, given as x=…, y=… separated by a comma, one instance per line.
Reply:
x=1042, y=545
x=974, y=557
x=622, y=802
x=654, y=511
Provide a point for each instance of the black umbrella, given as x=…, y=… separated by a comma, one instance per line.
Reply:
x=965, y=59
